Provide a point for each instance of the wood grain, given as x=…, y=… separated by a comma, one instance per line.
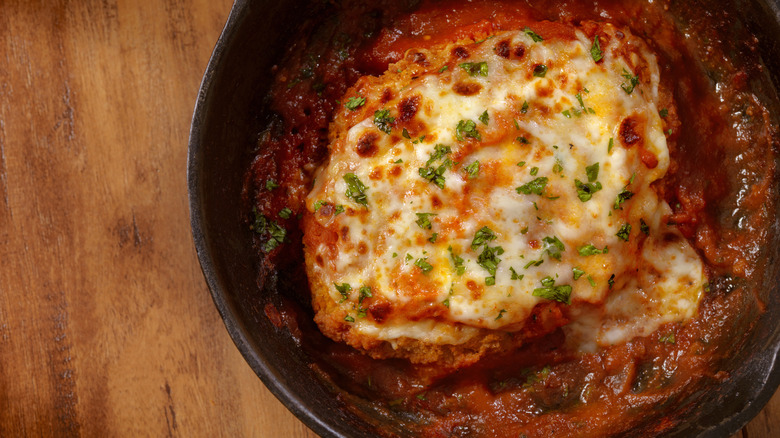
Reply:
x=106, y=324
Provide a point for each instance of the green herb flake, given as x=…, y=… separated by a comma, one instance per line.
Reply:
x=524, y=108
x=349, y=318
x=522, y=140
x=534, y=36
x=533, y=263
x=467, y=128
x=536, y=186
x=553, y=246
x=566, y=114
x=484, y=118
x=482, y=237
x=521, y=164
x=343, y=289
x=356, y=190
x=550, y=291
x=318, y=204
x=595, y=50
x=277, y=235
x=534, y=170
x=383, y=120
x=285, y=213
x=270, y=185
x=443, y=68
x=611, y=281
x=540, y=70
x=423, y=264
x=475, y=68
x=363, y=293
x=667, y=339
x=424, y=221
x=577, y=272
x=591, y=281
x=339, y=209
x=433, y=238
x=515, y=275
x=405, y=134
x=643, y=227
x=457, y=262
x=354, y=103
x=500, y=314
x=622, y=197
x=663, y=113
x=472, y=170
x=624, y=232
x=590, y=249
x=610, y=145
x=631, y=81
x=558, y=166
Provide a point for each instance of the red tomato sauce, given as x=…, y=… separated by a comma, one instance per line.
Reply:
x=720, y=186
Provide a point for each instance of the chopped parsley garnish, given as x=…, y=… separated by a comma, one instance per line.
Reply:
x=577, y=272
x=579, y=99
x=611, y=281
x=663, y=113
x=643, y=227
x=354, y=103
x=270, y=185
x=558, y=166
x=595, y=50
x=622, y=197
x=424, y=221
x=489, y=260
x=632, y=81
x=624, y=232
x=285, y=213
x=524, y=108
x=457, y=262
x=343, y=289
x=349, y=318
x=515, y=275
x=339, y=209
x=482, y=237
x=484, y=118
x=405, y=134
x=318, y=204
x=436, y=174
x=590, y=249
x=276, y=233
x=533, y=263
x=383, y=121
x=475, y=68
x=540, y=70
x=433, y=238
x=553, y=246
x=550, y=291
x=585, y=191
x=500, y=314
x=363, y=293
x=443, y=68
x=534, y=170
x=534, y=36
x=356, y=190
x=423, y=265
x=667, y=339
x=472, y=170
x=610, y=145
x=521, y=164
x=566, y=113
x=523, y=140
x=536, y=186
x=467, y=128
x=398, y=161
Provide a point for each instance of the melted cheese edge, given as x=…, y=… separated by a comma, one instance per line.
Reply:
x=658, y=278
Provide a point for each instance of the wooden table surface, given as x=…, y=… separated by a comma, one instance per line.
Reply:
x=106, y=324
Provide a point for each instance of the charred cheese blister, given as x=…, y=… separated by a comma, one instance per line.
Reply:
x=499, y=188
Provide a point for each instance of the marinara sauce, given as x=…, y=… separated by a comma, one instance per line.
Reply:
x=720, y=186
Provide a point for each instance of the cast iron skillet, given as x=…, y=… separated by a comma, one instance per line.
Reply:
x=225, y=124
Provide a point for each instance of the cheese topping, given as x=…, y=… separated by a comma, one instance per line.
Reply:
x=465, y=191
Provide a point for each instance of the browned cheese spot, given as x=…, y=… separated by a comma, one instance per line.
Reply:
x=362, y=248
x=460, y=52
x=519, y=51
x=394, y=171
x=467, y=88
x=419, y=58
x=475, y=289
x=502, y=49
x=630, y=131
x=387, y=96
x=408, y=107
x=534, y=244
x=436, y=202
x=366, y=146
x=380, y=311
x=376, y=174
x=345, y=233
x=319, y=260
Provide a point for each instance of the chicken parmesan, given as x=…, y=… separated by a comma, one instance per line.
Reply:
x=481, y=194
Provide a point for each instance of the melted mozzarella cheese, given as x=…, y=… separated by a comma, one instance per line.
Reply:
x=540, y=138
